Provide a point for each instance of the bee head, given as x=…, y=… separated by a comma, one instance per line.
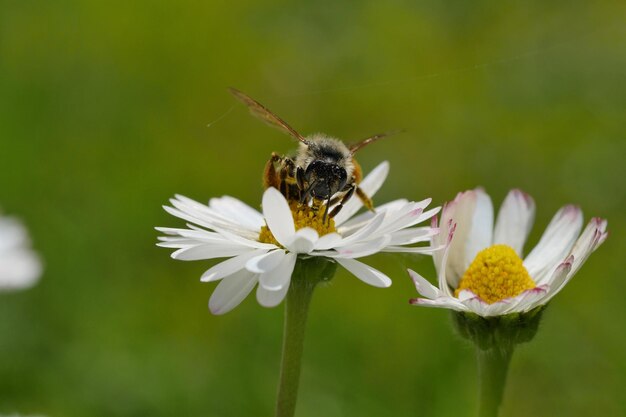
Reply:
x=327, y=178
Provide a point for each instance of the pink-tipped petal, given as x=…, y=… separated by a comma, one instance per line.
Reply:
x=424, y=287
x=555, y=243
x=442, y=302
x=557, y=280
x=527, y=300
x=472, y=212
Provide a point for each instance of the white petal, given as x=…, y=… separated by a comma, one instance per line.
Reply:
x=413, y=235
x=368, y=229
x=440, y=239
x=365, y=272
x=265, y=262
x=594, y=234
x=409, y=216
x=557, y=280
x=238, y=212
x=474, y=303
x=202, y=215
x=268, y=298
x=441, y=302
x=555, y=243
x=231, y=291
x=527, y=300
x=400, y=219
x=13, y=234
x=230, y=266
x=278, y=216
x=442, y=255
x=498, y=308
x=480, y=237
x=422, y=250
x=472, y=212
x=279, y=277
x=19, y=269
x=424, y=287
x=363, y=249
x=303, y=241
x=515, y=219
x=188, y=217
x=592, y=237
x=328, y=241
x=357, y=222
x=175, y=242
x=465, y=295
x=208, y=251
x=370, y=185
x=196, y=233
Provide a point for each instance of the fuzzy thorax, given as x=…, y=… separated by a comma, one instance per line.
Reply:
x=326, y=149
x=495, y=274
x=303, y=216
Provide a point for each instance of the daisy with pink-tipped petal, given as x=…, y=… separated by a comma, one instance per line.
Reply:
x=481, y=268
x=496, y=294
x=262, y=248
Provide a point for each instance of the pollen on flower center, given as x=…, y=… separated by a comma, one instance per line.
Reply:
x=495, y=274
x=303, y=216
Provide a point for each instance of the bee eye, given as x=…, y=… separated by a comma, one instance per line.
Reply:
x=341, y=174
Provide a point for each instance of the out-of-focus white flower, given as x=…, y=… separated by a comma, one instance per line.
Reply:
x=263, y=247
x=481, y=269
x=20, y=266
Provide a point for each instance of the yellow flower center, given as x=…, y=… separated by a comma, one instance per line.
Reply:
x=303, y=216
x=495, y=274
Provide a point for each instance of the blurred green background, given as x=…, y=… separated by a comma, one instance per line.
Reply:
x=104, y=108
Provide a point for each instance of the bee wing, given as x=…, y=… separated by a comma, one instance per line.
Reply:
x=357, y=146
x=261, y=112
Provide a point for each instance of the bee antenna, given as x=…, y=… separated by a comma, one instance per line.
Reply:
x=357, y=146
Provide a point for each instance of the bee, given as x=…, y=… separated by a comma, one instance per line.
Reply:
x=323, y=171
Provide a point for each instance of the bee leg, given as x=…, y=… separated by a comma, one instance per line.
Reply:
x=283, y=183
x=342, y=197
x=307, y=193
x=358, y=176
x=270, y=176
x=343, y=201
x=326, y=210
x=335, y=200
x=367, y=202
x=300, y=181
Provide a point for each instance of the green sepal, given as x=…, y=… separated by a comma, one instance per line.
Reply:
x=498, y=332
x=314, y=269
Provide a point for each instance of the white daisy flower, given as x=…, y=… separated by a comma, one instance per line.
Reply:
x=263, y=247
x=481, y=269
x=20, y=266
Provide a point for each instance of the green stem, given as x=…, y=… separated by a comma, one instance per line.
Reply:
x=493, y=365
x=307, y=274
